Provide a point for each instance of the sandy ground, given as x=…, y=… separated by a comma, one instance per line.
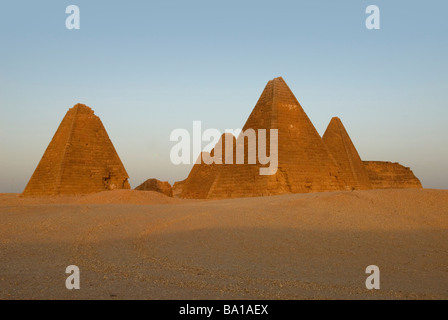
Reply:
x=143, y=245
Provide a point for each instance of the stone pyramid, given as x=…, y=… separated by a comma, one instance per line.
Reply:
x=351, y=168
x=199, y=181
x=305, y=164
x=79, y=159
x=202, y=175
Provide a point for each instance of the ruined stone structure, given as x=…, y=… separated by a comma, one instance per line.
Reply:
x=387, y=175
x=306, y=162
x=79, y=159
x=157, y=186
x=351, y=168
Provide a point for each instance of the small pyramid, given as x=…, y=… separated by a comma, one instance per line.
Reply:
x=351, y=168
x=304, y=162
x=79, y=159
x=202, y=175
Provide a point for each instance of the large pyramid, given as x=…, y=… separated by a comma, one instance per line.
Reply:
x=79, y=159
x=351, y=168
x=304, y=162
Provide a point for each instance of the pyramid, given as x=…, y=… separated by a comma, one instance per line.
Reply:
x=304, y=162
x=351, y=168
x=202, y=175
x=199, y=181
x=79, y=159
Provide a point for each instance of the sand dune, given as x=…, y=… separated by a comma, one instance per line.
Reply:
x=144, y=245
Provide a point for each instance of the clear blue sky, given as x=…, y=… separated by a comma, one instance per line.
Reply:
x=148, y=67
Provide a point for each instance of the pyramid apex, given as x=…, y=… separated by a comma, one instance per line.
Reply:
x=336, y=119
x=279, y=79
x=80, y=106
x=281, y=83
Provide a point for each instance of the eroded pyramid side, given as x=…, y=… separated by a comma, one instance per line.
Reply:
x=391, y=175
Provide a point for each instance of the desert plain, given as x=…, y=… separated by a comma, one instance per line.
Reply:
x=144, y=245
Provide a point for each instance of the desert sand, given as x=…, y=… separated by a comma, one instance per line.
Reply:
x=143, y=245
